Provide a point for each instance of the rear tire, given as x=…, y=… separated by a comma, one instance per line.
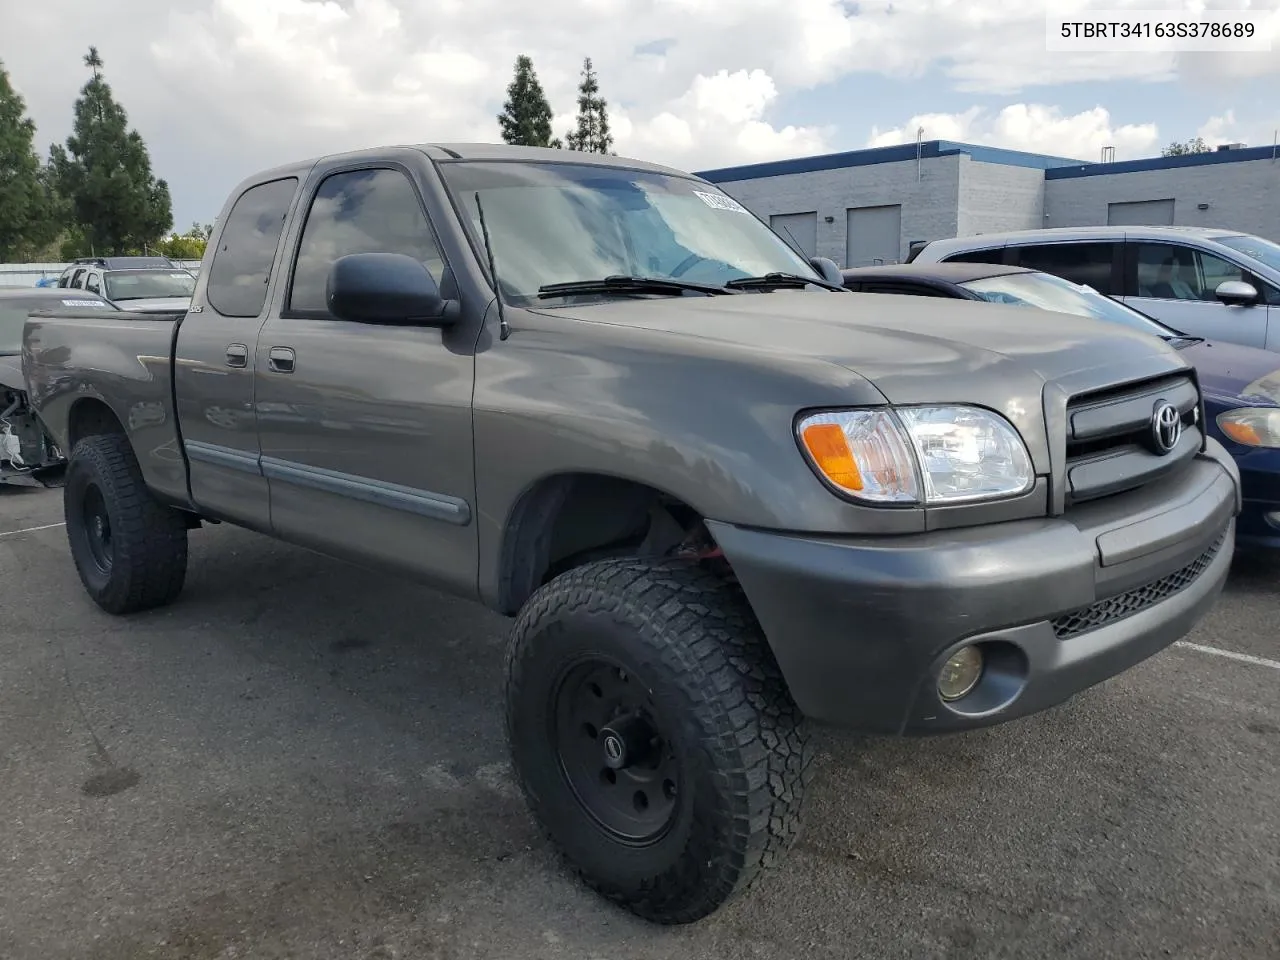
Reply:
x=666, y=660
x=129, y=549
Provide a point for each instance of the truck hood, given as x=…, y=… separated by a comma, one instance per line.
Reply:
x=917, y=350
x=1236, y=374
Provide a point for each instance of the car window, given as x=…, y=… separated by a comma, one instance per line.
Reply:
x=91, y=283
x=1256, y=248
x=360, y=211
x=989, y=255
x=1049, y=292
x=247, y=248
x=76, y=278
x=1168, y=271
x=903, y=289
x=149, y=284
x=1089, y=264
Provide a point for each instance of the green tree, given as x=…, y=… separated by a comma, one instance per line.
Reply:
x=526, y=115
x=1175, y=149
x=27, y=210
x=104, y=173
x=185, y=246
x=592, y=134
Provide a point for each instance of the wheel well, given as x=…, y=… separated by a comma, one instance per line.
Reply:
x=90, y=417
x=565, y=521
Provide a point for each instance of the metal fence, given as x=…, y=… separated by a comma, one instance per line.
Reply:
x=29, y=274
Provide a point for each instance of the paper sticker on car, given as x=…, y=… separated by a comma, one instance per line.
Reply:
x=83, y=303
x=718, y=201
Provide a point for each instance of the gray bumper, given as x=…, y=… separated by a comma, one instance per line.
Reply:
x=861, y=627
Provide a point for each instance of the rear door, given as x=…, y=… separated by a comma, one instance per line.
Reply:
x=214, y=363
x=366, y=428
x=1176, y=284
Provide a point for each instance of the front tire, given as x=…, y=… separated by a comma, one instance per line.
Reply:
x=129, y=549
x=653, y=735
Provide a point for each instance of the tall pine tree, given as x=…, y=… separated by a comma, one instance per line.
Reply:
x=592, y=134
x=526, y=116
x=105, y=174
x=26, y=209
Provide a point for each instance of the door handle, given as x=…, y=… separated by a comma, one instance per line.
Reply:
x=280, y=359
x=237, y=355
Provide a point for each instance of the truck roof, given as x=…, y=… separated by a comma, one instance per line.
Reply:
x=464, y=151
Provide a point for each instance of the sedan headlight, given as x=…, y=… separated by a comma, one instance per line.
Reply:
x=938, y=455
x=1252, y=426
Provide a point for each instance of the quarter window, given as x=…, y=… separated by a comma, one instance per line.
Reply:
x=247, y=248
x=1170, y=272
x=990, y=255
x=1088, y=264
x=360, y=211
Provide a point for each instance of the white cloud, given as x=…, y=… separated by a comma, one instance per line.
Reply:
x=1033, y=127
x=220, y=88
x=1225, y=128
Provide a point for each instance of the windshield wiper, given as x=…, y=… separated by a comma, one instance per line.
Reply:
x=625, y=284
x=772, y=280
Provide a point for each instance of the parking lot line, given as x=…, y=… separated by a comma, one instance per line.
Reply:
x=1229, y=654
x=14, y=533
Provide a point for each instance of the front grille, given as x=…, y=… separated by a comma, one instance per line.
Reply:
x=1111, y=443
x=1126, y=604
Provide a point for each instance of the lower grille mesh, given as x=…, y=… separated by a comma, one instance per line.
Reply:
x=1126, y=604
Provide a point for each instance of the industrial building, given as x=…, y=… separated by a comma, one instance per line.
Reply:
x=870, y=206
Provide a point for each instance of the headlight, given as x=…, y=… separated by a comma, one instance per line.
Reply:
x=1252, y=426
x=936, y=454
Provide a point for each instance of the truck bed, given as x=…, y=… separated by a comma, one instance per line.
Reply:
x=81, y=363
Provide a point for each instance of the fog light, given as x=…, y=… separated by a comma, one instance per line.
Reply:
x=960, y=674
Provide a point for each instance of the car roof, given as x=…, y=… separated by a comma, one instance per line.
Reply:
x=979, y=241
x=15, y=293
x=948, y=272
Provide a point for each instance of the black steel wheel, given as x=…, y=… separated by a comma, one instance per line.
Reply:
x=129, y=549
x=653, y=735
x=614, y=751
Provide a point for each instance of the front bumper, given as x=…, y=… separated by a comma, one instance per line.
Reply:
x=861, y=626
x=1259, y=523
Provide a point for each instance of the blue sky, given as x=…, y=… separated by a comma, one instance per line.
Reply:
x=222, y=88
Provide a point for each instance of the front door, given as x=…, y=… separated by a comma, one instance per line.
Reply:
x=1176, y=284
x=214, y=359
x=366, y=428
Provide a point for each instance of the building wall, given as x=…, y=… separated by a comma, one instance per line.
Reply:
x=996, y=197
x=1242, y=196
x=929, y=204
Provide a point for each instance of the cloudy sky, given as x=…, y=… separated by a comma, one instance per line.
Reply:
x=221, y=88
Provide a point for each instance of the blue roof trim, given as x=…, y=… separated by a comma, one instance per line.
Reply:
x=1161, y=163
x=929, y=149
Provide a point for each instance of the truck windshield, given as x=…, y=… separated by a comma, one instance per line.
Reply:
x=553, y=223
x=148, y=284
x=1050, y=292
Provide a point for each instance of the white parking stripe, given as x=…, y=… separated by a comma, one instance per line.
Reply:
x=1229, y=654
x=14, y=533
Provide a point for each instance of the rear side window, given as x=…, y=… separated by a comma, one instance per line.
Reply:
x=989, y=255
x=1090, y=264
x=247, y=248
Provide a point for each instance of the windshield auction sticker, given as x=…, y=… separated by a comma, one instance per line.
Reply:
x=719, y=201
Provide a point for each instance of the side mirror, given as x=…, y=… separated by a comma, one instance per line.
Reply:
x=384, y=288
x=1237, y=293
x=828, y=269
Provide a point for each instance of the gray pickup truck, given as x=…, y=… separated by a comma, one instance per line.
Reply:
x=721, y=499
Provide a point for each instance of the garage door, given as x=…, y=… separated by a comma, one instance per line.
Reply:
x=873, y=235
x=801, y=228
x=1140, y=213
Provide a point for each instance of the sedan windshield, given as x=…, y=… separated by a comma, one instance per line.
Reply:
x=1049, y=292
x=148, y=284
x=556, y=223
x=1264, y=251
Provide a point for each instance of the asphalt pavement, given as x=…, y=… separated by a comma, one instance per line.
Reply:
x=304, y=759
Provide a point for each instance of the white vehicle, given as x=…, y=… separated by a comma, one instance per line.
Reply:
x=137, y=284
x=1217, y=284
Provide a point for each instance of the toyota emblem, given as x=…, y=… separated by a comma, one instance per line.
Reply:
x=1166, y=427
